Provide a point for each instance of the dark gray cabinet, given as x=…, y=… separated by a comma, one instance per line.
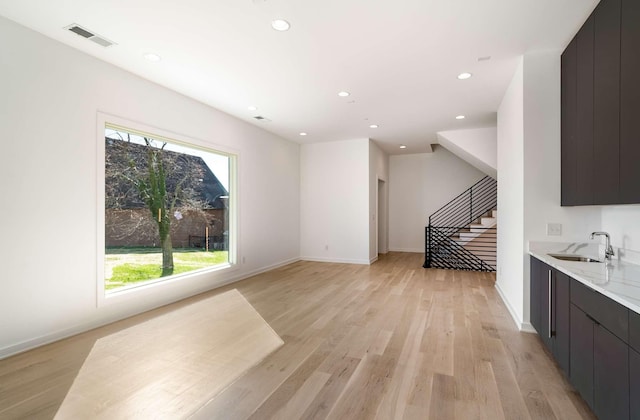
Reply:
x=581, y=373
x=583, y=142
x=549, y=303
x=535, y=298
x=629, y=102
x=610, y=375
x=606, y=101
x=634, y=383
x=599, y=358
x=568, y=125
x=600, y=98
x=634, y=365
x=561, y=320
x=594, y=339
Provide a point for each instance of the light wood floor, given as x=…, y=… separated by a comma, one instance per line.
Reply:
x=387, y=341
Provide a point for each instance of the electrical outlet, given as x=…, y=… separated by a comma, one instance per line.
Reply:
x=554, y=229
x=326, y=247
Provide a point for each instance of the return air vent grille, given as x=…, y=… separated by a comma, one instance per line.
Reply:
x=85, y=33
x=78, y=30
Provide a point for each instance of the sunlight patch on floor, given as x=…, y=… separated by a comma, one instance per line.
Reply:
x=171, y=365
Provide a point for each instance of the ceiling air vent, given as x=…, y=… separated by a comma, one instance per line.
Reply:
x=85, y=33
x=261, y=118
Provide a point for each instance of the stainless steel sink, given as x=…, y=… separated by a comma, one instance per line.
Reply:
x=573, y=257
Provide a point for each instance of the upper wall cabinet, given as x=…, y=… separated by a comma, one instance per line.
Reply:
x=630, y=102
x=600, y=98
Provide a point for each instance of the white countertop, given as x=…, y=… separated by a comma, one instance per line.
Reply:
x=618, y=280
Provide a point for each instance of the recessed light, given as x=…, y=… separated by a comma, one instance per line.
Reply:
x=464, y=76
x=152, y=57
x=280, y=25
x=303, y=134
x=402, y=146
x=252, y=108
x=343, y=94
x=460, y=117
x=373, y=126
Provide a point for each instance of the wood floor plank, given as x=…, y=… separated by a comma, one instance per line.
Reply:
x=362, y=394
x=488, y=396
x=443, y=396
x=300, y=401
x=387, y=341
x=403, y=379
x=271, y=373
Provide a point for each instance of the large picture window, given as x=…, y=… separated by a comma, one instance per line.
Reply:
x=166, y=208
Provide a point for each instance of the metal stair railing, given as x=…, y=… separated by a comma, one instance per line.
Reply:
x=469, y=205
x=472, y=204
x=449, y=252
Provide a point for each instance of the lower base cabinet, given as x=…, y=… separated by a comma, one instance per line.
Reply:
x=581, y=360
x=599, y=360
x=550, y=310
x=595, y=339
x=610, y=375
x=634, y=384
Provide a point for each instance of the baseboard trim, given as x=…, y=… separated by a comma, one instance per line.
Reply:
x=519, y=324
x=261, y=270
x=528, y=328
x=43, y=340
x=335, y=260
x=413, y=250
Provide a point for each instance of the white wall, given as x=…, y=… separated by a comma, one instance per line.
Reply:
x=378, y=170
x=477, y=146
x=420, y=184
x=50, y=98
x=511, y=195
x=623, y=224
x=334, y=201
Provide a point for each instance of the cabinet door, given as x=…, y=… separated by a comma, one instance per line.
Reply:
x=584, y=134
x=610, y=376
x=634, y=384
x=581, y=355
x=568, y=109
x=630, y=102
x=634, y=330
x=606, y=102
x=561, y=319
x=534, y=296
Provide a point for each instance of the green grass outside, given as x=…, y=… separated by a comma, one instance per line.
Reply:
x=126, y=266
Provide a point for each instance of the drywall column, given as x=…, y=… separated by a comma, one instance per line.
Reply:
x=511, y=196
x=334, y=201
x=529, y=177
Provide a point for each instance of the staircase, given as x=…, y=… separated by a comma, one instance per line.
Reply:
x=462, y=234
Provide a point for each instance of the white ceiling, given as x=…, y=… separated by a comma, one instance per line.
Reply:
x=399, y=59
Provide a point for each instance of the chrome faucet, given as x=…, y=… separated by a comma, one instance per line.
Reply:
x=608, y=250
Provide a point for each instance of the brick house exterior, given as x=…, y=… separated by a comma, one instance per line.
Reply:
x=128, y=222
